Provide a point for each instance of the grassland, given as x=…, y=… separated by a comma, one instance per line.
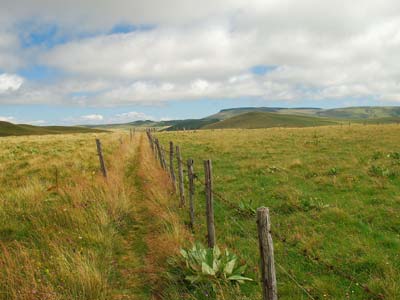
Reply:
x=67, y=233
x=9, y=129
x=333, y=192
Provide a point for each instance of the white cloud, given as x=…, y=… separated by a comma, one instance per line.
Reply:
x=37, y=122
x=129, y=117
x=94, y=117
x=322, y=50
x=7, y=119
x=10, y=83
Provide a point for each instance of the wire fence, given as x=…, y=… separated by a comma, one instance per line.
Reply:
x=234, y=205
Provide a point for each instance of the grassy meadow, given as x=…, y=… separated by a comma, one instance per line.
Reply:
x=333, y=194
x=67, y=233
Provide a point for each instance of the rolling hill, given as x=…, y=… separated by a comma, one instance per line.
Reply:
x=292, y=117
x=351, y=113
x=9, y=129
x=231, y=112
x=257, y=119
x=361, y=112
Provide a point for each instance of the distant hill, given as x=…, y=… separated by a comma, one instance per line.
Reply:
x=9, y=129
x=352, y=113
x=191, y=124
x=369, y=114
x=231, y=112
x=256, y=119
x=361, y=112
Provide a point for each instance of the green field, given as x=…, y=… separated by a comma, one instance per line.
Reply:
x=333, y=193
x=9, y=129
x=334, y=197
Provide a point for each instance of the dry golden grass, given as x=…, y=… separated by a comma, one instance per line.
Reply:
x=75, y=235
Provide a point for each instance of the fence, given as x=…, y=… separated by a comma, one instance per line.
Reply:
x=264, y=239
x=267, y=266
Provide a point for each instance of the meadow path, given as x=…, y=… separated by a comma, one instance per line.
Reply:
x=140, y=260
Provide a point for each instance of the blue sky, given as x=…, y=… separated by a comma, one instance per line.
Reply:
x=92, y=62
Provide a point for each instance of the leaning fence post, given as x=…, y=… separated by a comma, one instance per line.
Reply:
x=180, y=177
x=191, y=191
x=163, y=162
x=209, y=204
x=268, y=277
x=171, y=164
x=150, y=139
x=101, y=159
x=159, y=151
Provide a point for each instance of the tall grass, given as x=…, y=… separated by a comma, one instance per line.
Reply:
x=58, y=242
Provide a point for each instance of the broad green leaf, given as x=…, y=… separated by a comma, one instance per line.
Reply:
x=238, y=278
x=206, y=269
x=229, y=267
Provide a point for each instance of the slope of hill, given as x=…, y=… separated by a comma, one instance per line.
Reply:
x=265, y=119
x=354, y=113
x=191, y=124
x=361, y=112
x=231, y=112
x=375, y=114
x=9, y=129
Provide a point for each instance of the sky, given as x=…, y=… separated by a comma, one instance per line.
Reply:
x=92, y=62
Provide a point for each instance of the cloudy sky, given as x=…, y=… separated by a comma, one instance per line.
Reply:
x=98, y=61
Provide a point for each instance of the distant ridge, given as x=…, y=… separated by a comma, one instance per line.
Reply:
x=368, y=114
x=258, y=119
x=9, y=129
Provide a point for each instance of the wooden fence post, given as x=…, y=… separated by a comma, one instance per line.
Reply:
x=159, y=152
x=163, y=162
x=101, y=159
x=209, y=204
x=130, y=134
x=150, y=139
x=191, y=191
x=180, y=177
x=268, y=277
x=171, y=164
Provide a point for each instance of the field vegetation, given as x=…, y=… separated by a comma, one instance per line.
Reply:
x=67, y=233
x=334, y=201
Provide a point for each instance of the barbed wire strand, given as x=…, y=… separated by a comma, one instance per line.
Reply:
x=244, y=231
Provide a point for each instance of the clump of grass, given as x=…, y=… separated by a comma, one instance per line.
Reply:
x=59, y=242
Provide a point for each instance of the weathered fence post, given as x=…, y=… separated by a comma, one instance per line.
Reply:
x=209, y=204
x=267, y=265
x=150, y=139
x=159, y=151
x=130, y=134
x=180, y=177
x=163, y=162
x=171, y=164
x=101, y=159
x=191, y=191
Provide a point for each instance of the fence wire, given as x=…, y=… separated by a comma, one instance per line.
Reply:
x=235, y=206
